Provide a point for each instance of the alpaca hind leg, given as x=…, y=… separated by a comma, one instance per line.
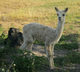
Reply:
x=23, y=46
x=29, y=46
x=27, y=38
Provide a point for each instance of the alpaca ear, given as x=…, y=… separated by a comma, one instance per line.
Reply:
x=56, y=9
x=66, y=9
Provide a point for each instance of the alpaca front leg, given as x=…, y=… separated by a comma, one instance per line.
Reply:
x=49, y=51
x=52, y=56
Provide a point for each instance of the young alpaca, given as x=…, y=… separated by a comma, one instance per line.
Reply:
x=47, y=34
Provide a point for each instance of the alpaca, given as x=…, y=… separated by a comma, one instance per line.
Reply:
x=49, y=35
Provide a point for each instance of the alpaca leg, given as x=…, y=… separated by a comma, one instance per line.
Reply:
x=52, y=55
x=29, y=46
x=46, y=51
x=28, y=40
x=49, y=51
x=23, y=46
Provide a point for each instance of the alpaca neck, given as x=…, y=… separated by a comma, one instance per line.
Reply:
x=60, y=28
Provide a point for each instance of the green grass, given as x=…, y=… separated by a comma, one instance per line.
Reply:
x=29, y=64
x=22, y=62
x=68, y=42
x=1, y=29
x=69, y=59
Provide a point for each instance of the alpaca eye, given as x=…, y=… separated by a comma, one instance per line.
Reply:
x=57, y=14
x=63, y=14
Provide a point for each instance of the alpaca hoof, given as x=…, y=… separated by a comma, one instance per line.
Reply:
x=52, y=68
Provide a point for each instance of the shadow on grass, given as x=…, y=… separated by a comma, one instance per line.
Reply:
x=70, y=58
x=68, y=63
x=68, y=42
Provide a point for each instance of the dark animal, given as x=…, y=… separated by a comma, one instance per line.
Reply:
x=14, y=39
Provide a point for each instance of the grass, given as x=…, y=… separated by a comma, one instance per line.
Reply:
x=22, y=62
x=68, y=42
x=69, y=59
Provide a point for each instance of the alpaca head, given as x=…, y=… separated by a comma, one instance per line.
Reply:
x=61, y=14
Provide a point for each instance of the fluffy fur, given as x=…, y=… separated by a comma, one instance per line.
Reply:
x=47, y=34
